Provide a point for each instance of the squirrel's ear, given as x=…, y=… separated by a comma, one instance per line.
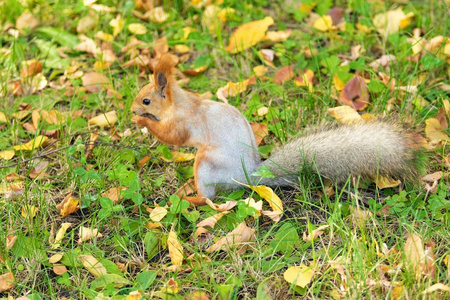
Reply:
x=161, y=81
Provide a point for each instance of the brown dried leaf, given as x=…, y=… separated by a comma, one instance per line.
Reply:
x=212, y=221
x=419, y=260
x=437, y=287
x=10, y=241
x=114, y=194
x=86, y=23
x=336, y=14
x=434, y=132
x=359, y=216
x=355, y=93
x=284, y=74
x=26, y=20
x=240, y=235
x=308, y=237
x=7, y=281
x=39, y=170
x=30, y=68
x=92, y=265
x=94, y=82
x=60, y=269
x=260, y=130
x=436, y=176
x=222, y=207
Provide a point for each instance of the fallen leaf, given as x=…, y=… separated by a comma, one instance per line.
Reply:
x=184, y=49
x=260, y=70
x=260, y=130
x=29, y=211
x=55, y=258
x=359, y=216
x=86, y=23
x=10, y=241
x=86, y=234
x=60, y=235
x=383, y=61
x=158, y=15
x=117, y=24
x=179, y=157
x=69, y=205
x=308, y=237
x=324, y=23
x=175, y=249
x=39, y=170
x=436, y=176
x=384, y=182
x=106, y=37
x=94, y=82
x=267, y=56
x=21, y=114
x=299, y=275
x=284, y=74
x=197, y=295
x=434, y=131
x=33, y=144
x=437, y=287
x=7, y=281
x=273, y=215
x=195, y=71
x=104, y=119
x=7, y=154
x=248, y=35
x=114, y=194
x=355, y=93
x=137, y=28
x=338, y=83
x=59, y=270
x=87, y=45
x=3, y=117
x=135, y=295
x=415, y=254
x=277, y=36
x=305, y=79
x=29, y=68
x=92, y=265
x=26, y=20
x=345, y=114
x=211, y=221
x=256, y=205
x=336, y=14
x=158, y=213
x=240, y=235
x=392, y=21
x=232, y=89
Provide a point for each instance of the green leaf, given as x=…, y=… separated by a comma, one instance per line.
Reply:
x=263, y=172
x=114, y=279
x=285, y=239
x=151, y=243
x=430, y=62
x=191, y=216
x=359, y=65
x=263, y=290
x=63, y=38
x=145, y=279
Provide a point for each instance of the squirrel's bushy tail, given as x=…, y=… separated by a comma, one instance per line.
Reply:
x=359, y=149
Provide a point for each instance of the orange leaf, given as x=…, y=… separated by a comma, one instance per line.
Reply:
x=355, y=93
x=284, y=74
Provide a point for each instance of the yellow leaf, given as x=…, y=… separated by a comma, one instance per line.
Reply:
x=2, y=117
x=324, y=23
x=181, y=49
x=175, y=249
x=299, y=275
x=104, y=120
x=260, y=70
x=307, y=8
x=338, y=83
x=158, y=213
x=391, y=21
x=33, y=144
x=186, y=32
x=384, y=182
x=21, y=114
x=92, y=265
x=222, y=207
x=134, y=295
x=7, y=154
x=29, y=212
x=225, y=13
x=437, y=287
x=106, y=37
x=69, y=207
x=232, y=89
x=117, y=25
x=414, y=253
x=158, y=15
x=277, y=36
x=434, y=131
x=179, y=156
x=344, y=114
x=55, y=258
x=248, y=35
x=60, y=235
x=137, y=28
x=7, y=281
x=114, y=193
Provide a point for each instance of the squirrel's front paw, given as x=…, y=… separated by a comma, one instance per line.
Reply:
x=137, y=119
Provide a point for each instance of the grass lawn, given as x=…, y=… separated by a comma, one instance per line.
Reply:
x=84, y=192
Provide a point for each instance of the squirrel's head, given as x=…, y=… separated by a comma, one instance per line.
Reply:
x=155, y=99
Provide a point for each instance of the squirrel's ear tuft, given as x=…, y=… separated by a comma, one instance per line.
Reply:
x=163, y=73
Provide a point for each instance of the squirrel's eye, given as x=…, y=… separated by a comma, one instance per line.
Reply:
x=146, y=101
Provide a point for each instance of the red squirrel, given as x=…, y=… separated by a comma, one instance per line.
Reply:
x=227, y=149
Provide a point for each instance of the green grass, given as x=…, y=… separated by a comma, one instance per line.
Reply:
x=370, y=253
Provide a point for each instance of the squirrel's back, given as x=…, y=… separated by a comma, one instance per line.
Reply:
x=358, y=149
